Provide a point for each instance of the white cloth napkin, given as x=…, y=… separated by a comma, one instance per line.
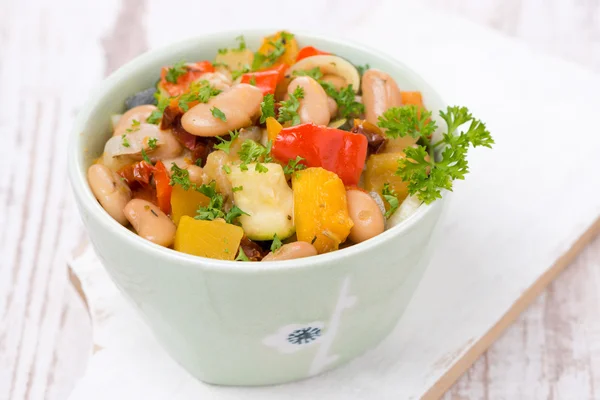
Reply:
x=524, y=204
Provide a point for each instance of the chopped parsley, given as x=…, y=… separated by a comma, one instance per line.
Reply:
x=218, y=114
x=233, y=214
x=253, y=152
x=391, y=197
x=267, y=107
x=163, y=102
x=242, y=256
x=262, y=61
x=362, y=69
x=198, y=162
x=276, y=245
x=241, y=46
x=176, y=71
x=124, y=140
x=346, y=100
x=199, y=91
x=181, y=177
x=236, y=74
x=252, y=80
x=152, y=143
x=145, y=157
x=226, y=168
x=242, y=43
x=225, y=145
x=289, y=108
x=214, y=209
x=135, y=126
x=237, y=189
x=314, y=73
x=294, y=165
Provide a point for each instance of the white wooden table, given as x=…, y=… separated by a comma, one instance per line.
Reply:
x=51, y=53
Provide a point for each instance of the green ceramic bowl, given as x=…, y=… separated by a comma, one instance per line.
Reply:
x=253, y=323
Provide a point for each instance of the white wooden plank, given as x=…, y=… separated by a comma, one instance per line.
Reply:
x=43, y=73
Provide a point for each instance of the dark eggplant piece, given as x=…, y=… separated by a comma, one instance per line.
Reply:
x=376, y=140
x=141, y=98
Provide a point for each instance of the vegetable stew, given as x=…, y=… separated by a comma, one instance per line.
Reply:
x=286, y=152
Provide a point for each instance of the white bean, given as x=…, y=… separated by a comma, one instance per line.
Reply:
x=123, y=150
x=240, y=105
x=379, y=92
x=314, y=107
x=366, y=215
x=150, y=222
x=291, y=251
x=110, y=190
x=139, y=114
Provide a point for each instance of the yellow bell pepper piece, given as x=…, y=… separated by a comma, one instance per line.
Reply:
x=186, y=202
x=291, y=48
x=381, y=169
x=320, y=209
x=212, y=239
x=273, y=128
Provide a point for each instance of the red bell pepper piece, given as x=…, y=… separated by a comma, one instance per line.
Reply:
x=309, y=51
x=183, y=81
x=280, y=68
x=266, y=80
x=163, y=189
x=333, y=149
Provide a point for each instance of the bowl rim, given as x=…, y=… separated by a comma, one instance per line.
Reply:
x=86, y=200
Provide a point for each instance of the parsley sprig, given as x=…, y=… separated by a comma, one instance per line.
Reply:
x=425, y=175
x=289, y=108
x=176, y=71
x=253, y=152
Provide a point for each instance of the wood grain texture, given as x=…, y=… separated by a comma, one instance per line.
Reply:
x=553, y=350
x=49, y=61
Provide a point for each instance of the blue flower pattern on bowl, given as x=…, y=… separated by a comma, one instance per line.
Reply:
x=304, y=335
